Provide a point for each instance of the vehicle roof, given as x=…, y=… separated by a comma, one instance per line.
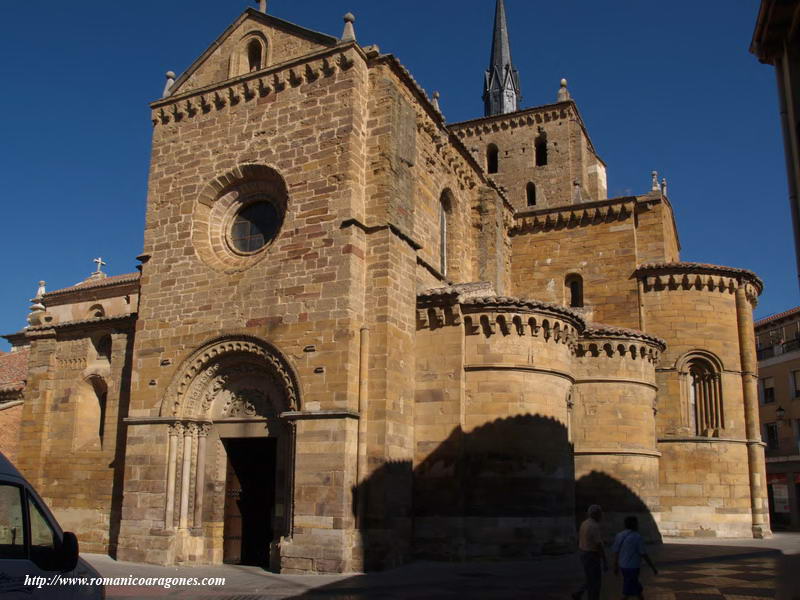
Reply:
x=9, y=470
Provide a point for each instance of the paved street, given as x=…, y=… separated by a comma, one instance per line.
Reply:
x=708, y=570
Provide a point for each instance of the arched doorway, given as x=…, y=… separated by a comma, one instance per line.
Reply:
x=231, y=459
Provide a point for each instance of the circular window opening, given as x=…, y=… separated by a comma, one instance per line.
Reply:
x=255, y=226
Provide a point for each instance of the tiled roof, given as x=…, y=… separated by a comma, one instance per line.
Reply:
x=491, y=302
x=96, y=283
x=599, y=330
x=14, y=370
x=778, y=316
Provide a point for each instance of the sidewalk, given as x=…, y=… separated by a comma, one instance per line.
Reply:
x=689, y=570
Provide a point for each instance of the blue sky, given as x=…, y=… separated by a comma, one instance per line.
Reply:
x=661, y=85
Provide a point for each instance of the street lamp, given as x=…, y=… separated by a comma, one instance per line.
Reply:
x=780, y=412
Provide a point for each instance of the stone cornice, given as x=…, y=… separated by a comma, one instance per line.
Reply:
x=101, y=321
x=587, y=213
x=616, y=452
x=91, y=286
x=597, y=331
x=258, y=84
x=527, y=116
x=521, y=305
x=707, y=440
x=688, y=275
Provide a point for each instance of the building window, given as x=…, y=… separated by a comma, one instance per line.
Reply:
x=250, y=54
x=255, y=55
x=795, y=384
x=797, y=435
x=705, y=397
x=492, y=158
x=771, y=435
x=540, y=148
x=255, y=226
x=530, y=193
x=573, y=287
x=768, y=389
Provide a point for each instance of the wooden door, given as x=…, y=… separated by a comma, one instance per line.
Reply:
x=232, y=536
x=249, y=500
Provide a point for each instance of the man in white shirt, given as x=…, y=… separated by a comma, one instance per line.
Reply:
x=628, y=552
x=593, y=556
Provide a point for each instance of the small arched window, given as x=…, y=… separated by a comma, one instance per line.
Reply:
x=492, y=159
x=445, y=210
x=96, y=311
x=573, y=287
x=250, y=54
x=540, y=148
x=705, y=398
x=255, y=55
x=530, y=193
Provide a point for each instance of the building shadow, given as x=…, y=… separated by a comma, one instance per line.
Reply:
x=118, y=464
x=618, y=501
x=505, y=490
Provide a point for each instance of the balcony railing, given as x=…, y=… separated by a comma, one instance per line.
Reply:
x=784, y=348
x=765, y=353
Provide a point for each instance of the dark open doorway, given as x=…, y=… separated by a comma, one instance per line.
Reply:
x=249, y=500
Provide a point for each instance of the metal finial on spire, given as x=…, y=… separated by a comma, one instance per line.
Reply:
x=436, y=96
x=501, y=93
x=563, y=92
x=170, y=81
x=349, y=33
x=655, y=187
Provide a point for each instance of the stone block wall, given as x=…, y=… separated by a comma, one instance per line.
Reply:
x=570, y=155
x=514, y=462
x=598, y=244
x=294, y=131
x=71, y=426
x=711, y=481
x=613, y=428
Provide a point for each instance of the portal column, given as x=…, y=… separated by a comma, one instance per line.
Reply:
x=202, y=436
x=188, y=432
x=169, y=512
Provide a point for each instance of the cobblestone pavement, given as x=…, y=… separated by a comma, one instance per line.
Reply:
x=689, y=570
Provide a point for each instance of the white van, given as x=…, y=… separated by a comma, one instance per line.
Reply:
x=37, y=559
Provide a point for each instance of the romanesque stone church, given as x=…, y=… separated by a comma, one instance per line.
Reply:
x=361, y=335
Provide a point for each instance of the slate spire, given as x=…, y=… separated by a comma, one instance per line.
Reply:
x=501, y=83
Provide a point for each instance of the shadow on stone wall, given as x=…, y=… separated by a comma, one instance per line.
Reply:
x=617, y=500
x=505, y=490
x=118, y=464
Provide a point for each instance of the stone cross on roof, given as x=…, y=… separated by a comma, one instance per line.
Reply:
x=100, y=265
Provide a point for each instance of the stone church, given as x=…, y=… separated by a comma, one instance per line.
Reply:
x=360, y=334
